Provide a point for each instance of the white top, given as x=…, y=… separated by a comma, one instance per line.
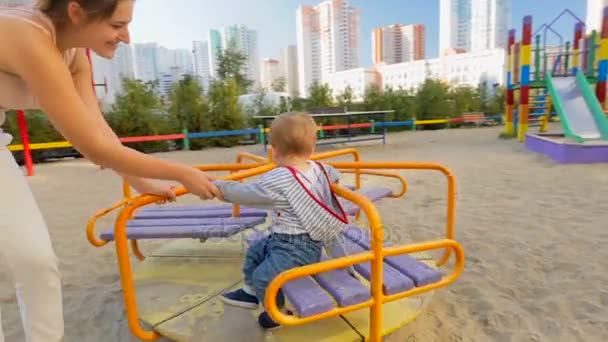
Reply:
x=14, y=93
x=5, y=138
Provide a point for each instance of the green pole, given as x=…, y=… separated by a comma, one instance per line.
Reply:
x=372, y=129
x=537, y=58
x=414, y=124
x=591, y=59
x=186, y=140
x=567, y=58
x=261, y=136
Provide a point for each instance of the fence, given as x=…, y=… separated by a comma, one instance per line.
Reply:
x=260, y=132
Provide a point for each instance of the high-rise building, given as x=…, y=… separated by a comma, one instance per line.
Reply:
x=328, y=41
x=113, y=71
x=398, y=43
x=454, y=25
x=147, y=61
x=169, y=58
x=271, y=70
x=202, y=64
x=289, y=66
x=595, y=9
x=489, y=24
x=244, y=39
x=473, y=25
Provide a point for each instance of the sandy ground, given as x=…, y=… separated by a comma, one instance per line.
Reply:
x=534, y=232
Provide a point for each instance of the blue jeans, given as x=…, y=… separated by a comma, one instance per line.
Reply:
x=274, y=254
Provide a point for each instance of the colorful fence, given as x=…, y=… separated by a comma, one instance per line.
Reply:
x=260, y=132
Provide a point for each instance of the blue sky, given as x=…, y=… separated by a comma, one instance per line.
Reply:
x=176, y=23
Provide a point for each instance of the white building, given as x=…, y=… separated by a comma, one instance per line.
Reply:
x=357, y=79
x=595, y=9
x=489, y=24
x=454, y=25
x=146, y=61
x=202, y=65
x=473, y=25
x=271, y=70
x=168, y=79
x=169, y=58
x=328, y=41
x=472, y=69
x=245, y=40
x=113, y=71
x=289, y=66
x=409, y=75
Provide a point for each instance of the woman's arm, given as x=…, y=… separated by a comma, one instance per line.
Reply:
x=82, y=76
x=32, y=55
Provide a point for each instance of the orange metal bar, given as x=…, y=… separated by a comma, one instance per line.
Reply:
x=343, y=262
x=245, y=155
x=346, y=151
x=384, y=174
x=122, y=251
x=210, y=167
x=451, y=196
x=93, y=220
x=376, y=256
x=126, y=189
x=137, y=251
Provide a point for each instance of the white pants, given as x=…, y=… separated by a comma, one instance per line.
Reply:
x=26, y=246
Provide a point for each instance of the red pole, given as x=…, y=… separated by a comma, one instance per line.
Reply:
x=25, y=140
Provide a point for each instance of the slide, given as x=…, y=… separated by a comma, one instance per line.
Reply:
x=579, y=110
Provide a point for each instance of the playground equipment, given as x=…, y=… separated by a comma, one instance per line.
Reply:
x=563, y=80
x=178, y=287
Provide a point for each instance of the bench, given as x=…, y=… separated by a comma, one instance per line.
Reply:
x=322, y=292
x=206, y=221
x=477, y=119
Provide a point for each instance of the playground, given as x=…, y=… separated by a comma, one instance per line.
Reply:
x=566, y=82
x=420, y=206
x=533, y=233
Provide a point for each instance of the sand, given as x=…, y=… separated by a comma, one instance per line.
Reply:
x=534, y=233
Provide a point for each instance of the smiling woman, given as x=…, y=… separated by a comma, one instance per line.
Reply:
x=43, y=65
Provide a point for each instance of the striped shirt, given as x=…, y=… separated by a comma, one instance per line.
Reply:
x=303, y=201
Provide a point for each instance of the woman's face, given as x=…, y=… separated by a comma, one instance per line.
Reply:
x=103, y=36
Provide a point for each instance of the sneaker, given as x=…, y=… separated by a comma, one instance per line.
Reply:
x=266, y=322
x=240, y=298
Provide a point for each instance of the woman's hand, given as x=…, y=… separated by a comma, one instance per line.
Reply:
x=153, y=187
x=199, y=183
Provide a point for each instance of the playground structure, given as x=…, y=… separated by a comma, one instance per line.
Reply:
x=178, y=286
x=571, y=82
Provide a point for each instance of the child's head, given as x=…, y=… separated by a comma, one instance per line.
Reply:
x=293, y=135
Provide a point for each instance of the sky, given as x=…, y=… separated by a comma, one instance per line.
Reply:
x=176, y=23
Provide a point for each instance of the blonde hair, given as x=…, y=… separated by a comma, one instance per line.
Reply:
x=295, y=133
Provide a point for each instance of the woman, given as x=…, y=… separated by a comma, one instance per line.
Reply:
x=43, y=65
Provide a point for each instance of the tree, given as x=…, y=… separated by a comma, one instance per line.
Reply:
x=345, y=99
x=432, y=100
x=279, y=84
x=404, y=104
x=465, y=99
x=224, y=111
x=496, y=105
x=188, y=109
x=320, y=96
x=484, y=97
x=138, y=112
x=231, y=64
